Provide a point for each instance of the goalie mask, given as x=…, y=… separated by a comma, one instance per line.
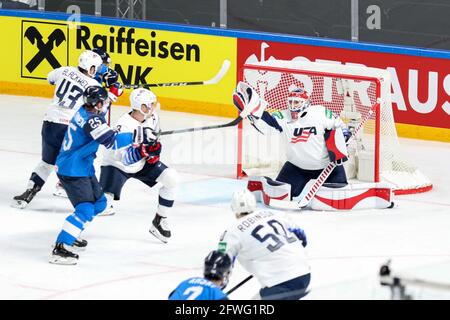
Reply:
x=144, y=101
x=297, y=101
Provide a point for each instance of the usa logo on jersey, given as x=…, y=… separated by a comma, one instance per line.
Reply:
x=303, y=134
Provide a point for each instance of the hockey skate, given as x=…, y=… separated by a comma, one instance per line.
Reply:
x=61, y=255
x=80, y=244
x=109, y=211
x=59, y=190
x=160, y=228
x=25, y=198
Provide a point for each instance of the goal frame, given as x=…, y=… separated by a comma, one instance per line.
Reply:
x=241, y=174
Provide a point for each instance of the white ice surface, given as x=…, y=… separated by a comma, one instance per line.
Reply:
x=123, y=261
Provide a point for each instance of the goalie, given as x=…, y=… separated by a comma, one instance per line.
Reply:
x=315, y=136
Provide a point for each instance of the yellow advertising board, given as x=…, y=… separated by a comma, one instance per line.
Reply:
x=33, y=47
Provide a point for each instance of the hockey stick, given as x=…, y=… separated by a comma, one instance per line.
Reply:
x=311, y=189
x=239, y=285
x=223, y=70
x=229, y=124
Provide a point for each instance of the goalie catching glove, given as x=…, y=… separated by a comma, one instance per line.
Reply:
x=248, y=102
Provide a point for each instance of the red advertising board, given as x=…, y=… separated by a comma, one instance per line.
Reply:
x=420, y=85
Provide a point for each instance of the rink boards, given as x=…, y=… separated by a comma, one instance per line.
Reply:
x=159, y=53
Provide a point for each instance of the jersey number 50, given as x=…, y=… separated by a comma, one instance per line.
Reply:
x=279, y=236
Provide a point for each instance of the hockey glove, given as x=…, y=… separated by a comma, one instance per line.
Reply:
x=248, y=102
x=110, y=77
x=115, y=91
x=150, y=152
x=300, y=234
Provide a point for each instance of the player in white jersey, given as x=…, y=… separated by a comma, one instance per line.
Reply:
x=143, y=163
x=70, y=84
x=270, y=247
x=306, y=130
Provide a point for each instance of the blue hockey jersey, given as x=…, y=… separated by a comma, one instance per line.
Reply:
x=197, y=289
x=86, y=131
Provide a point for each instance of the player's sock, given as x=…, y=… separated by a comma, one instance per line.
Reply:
x=160, y=228
x=60, y=255
x=21, y=201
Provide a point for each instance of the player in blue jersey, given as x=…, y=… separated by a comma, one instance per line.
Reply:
x=75, y=168
x=70, y=83
x=109, y=79
x=216, y=274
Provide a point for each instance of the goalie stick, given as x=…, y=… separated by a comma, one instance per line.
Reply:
x=223, y=70
x=312, y=188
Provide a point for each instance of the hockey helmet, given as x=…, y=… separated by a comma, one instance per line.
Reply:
x=89, y=59
x=104, y=55
x=141, y=96
x=243, y=201
x=93, y=95
x=298, y=100
x=218, y=267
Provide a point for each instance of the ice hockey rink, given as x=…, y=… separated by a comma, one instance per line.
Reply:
x=124, y=261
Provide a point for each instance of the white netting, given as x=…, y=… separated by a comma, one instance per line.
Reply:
x=349, y=91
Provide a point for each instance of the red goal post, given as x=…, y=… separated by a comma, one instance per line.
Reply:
x=350, y=91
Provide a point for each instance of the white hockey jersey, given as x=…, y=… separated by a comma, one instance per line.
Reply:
x=266, y=248
x=70, y=85
x=305, y=142
x=126, y=123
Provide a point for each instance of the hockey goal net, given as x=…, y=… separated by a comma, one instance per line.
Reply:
x=350, y=92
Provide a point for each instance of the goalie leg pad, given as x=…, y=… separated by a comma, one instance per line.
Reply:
x=265, y=188
x=353, y=196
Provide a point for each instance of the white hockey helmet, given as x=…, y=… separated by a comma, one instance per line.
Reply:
x=297, y=101
x=141, y=96
x=243, y=201
x=89, y=59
